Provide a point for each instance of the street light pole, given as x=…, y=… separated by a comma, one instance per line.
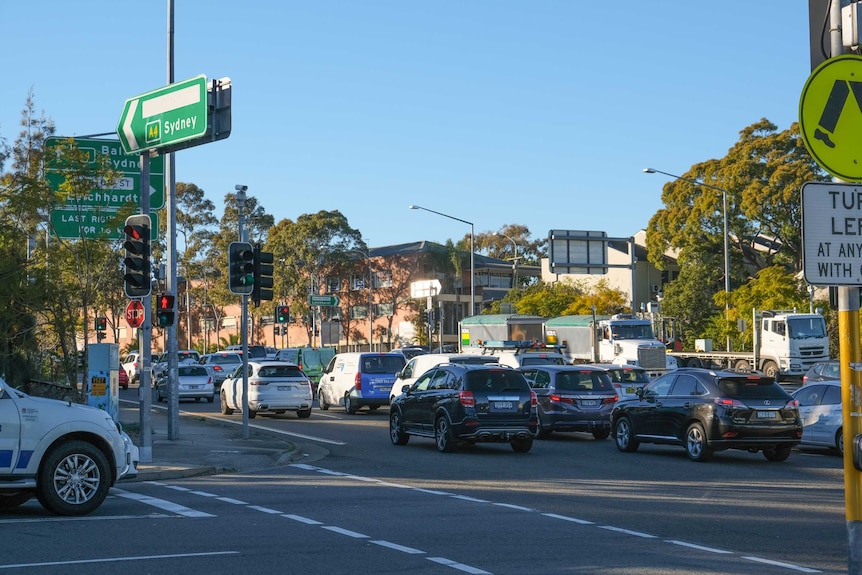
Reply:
x=726, y=240
x=472, y=270
x=514, y=259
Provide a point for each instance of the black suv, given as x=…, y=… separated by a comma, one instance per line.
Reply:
x=706, y=411
x=466, y=403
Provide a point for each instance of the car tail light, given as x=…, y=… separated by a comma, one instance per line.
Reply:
x=357, y=382
x=729, y=403
x=609, y=400
x=560, y=399
x=209, y=380
x=217, y=368
x=466, y=398
x=792, y=404
x=534, y=399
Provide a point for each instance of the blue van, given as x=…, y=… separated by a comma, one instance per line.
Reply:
x=358, y=379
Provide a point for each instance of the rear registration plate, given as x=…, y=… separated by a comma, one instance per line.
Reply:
x=766, y=415
x=502, y=406
x=284, y=388
x=631, y=390
x=589, y=402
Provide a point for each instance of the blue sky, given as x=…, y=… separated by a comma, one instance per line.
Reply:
x=541, y=112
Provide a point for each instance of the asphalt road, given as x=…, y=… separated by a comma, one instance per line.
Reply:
x=571, y=505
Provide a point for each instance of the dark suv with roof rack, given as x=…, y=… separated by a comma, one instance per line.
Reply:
x=706, y=411
x=455, y=403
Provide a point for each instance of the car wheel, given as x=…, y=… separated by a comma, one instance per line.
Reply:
x=74, y=479
x=321, y=402
x=777, y=453
x=522, y=445
x=443, y=435
x=225, y=410
x=542, y=432
x=839, y=440
x=252, y=414
x=304, y=413
x=211, y=398
x=349, y=407
x=695, y=443
x=11, y=499
x=770, y=369
x=396, y=429
x=601, y=433
x=624, y=436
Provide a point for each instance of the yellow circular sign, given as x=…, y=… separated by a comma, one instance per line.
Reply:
x=830, y=116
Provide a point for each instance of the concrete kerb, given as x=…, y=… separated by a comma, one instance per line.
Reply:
x=209, y=445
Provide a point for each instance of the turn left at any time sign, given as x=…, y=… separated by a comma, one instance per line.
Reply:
x=832, y=234
x=830, y=116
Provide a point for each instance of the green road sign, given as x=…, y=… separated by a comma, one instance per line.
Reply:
x=328, y=300
x=95, y=224
x=126, y=189
x=169, y=115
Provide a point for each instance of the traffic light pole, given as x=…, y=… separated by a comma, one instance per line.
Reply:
x=145, y=334
x=243, y=330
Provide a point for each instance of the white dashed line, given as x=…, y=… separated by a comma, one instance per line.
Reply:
x=232, y=500
x=302, y=519
x=458, y=566
x=266, y=510
x=565, y=518
x=627, y=531
x=347, y=532
x=698, y=547
x=396, y=547
x=780, y=564
x=161, y=504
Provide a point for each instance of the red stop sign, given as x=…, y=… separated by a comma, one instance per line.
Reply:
x=135, y=313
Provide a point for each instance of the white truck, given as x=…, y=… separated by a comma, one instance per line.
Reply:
x=622, y=339
x=66, y=454
x=785, y=345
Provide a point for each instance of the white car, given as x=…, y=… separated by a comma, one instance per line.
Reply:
x=184, y=357
x=273, y=387
x=193, y=382
x=45, y=443
x=820, y=410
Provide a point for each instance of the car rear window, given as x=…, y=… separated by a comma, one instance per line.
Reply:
x=583, y=381
x=223, y=359
x=494, y=380
x=475, y=360
x=744, y=388
x=539, y=360
x=280, y=371
x=628, y=375
x=192, y=370
x=382, y=363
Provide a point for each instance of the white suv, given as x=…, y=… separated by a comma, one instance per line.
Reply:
x=422, y=363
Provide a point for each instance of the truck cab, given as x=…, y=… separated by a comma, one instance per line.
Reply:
x=625, y=339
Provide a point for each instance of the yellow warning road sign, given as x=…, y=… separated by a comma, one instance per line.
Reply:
x=830, y=116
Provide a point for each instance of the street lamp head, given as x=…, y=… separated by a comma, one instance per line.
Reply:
x=649, y=171
x=241, y=188
x=412, y=207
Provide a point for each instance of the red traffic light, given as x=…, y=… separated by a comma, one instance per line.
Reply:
x=165, y=302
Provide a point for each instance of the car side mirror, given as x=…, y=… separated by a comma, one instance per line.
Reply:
x=640, y=392
x=405, y=388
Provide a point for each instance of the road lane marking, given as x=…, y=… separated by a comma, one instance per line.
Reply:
x=627, y=531
x=160, y=503
x=396, y=547
x=266, y=510
x=566, y=518
x=458, y=566
x=302, y=519
x=782, y=564
x=698, y=547
x=347, y=532
x=117, y=559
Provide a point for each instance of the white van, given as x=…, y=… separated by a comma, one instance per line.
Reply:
x=422, y=363
x=358, y=379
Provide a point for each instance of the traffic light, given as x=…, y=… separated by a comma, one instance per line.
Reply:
x=136, y=277
x=241, y=263
x=165, y=310
x=101, y=323
x=282, y=314
x=263, y=270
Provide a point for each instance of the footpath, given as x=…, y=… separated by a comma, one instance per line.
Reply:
x=209, y=445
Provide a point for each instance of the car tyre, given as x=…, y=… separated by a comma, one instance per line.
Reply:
x=396, y=429
x=11, y=499
x=304, y=413
x=74, y=479
x=252, y=414
x=443, y=436
x=777, y=453
x=602, y=433
x=349, y=406
x=211, y=398
x=225, y=410
x=321, y=402
x=522, y=445
x=839, y=440
x=696, y=446
x=770, y=369
x=542, y=432
x=624, y=436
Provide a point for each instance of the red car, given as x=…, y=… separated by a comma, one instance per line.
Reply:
x=124, y=378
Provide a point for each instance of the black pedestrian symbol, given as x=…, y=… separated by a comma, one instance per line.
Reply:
x=834, y=106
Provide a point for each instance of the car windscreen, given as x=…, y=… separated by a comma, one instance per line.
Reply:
x=583, y=381
x=496, y=380
x=382, y=363
x=280, y=371
x=744, y=388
